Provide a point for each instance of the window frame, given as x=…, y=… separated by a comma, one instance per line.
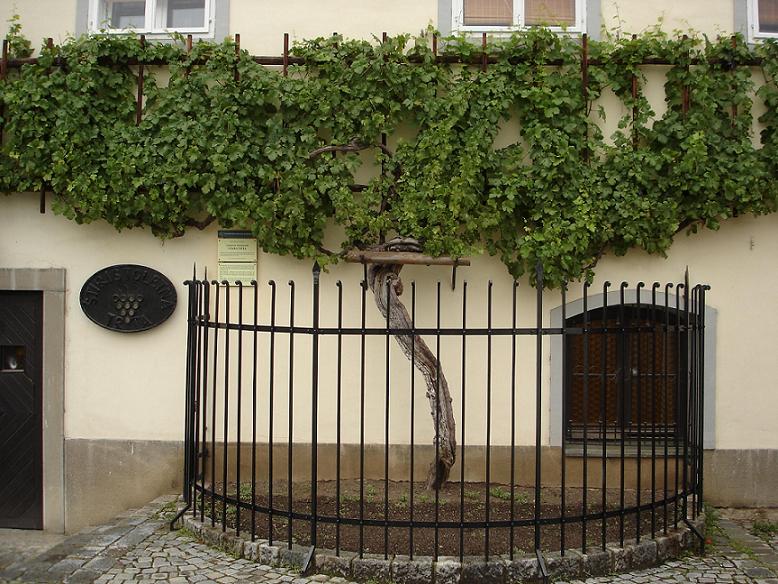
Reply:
x=555, y=390
x=754, y=34
x=458, y=18
x=154, y=14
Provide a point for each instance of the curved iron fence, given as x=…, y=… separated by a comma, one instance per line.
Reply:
x=319, y=432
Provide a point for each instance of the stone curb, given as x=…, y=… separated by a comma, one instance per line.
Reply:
x=447, y=570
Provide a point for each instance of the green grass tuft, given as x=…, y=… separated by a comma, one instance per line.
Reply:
x=765, y=529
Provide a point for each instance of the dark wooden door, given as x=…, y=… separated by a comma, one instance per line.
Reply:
x=21, y=460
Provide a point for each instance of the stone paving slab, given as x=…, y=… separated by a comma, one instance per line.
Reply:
x=16, y=545
x=137, y=547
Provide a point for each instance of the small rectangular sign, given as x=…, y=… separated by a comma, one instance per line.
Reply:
x=237, y=254
x=237, y=246
x=233, y=272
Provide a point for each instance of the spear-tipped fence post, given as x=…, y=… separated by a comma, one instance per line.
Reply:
x=315, y=402
x=538, y=394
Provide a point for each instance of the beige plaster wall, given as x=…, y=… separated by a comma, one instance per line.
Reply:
x=730, y=260
x=711, y=17
x=131, y=386
x=115, y=385
x=735, y=262
x=262, y=24
x=40, y=19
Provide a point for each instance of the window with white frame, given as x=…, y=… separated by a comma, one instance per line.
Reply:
x=764, y=19
x=152, y=16
x=500, y=15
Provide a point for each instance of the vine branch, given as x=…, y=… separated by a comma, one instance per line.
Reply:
x=350, y=147
x=202, y=224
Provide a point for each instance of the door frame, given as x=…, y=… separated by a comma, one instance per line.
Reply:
x=50, y=281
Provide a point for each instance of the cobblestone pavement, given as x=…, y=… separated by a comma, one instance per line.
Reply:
x=733, y=555
x=137, y=547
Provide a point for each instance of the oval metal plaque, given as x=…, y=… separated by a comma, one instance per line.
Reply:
x=128, y=298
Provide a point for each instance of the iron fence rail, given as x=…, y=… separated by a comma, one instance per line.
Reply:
x=225, y=374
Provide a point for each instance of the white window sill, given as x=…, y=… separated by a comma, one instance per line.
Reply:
x=613, y=449
x=156, y=35
x=505, y=31
x=763, y=36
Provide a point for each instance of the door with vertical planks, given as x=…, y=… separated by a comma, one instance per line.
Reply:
x=21, y=401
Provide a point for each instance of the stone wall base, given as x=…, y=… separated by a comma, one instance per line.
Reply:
x=424, y=570
x=105, y=477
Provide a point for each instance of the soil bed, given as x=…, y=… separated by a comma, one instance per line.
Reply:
x=449, y=508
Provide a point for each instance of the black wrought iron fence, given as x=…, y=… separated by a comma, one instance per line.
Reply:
x=320, y=433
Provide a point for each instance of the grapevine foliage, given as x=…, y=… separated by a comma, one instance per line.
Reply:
x=225, y=139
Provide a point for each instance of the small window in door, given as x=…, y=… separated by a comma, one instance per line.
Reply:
x=12, y=358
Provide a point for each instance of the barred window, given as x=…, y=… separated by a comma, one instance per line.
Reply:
x=624, y=384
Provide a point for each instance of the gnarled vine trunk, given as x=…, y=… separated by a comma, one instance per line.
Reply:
x=383, y=278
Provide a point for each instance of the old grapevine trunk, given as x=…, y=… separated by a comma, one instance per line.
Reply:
x=385, y=282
